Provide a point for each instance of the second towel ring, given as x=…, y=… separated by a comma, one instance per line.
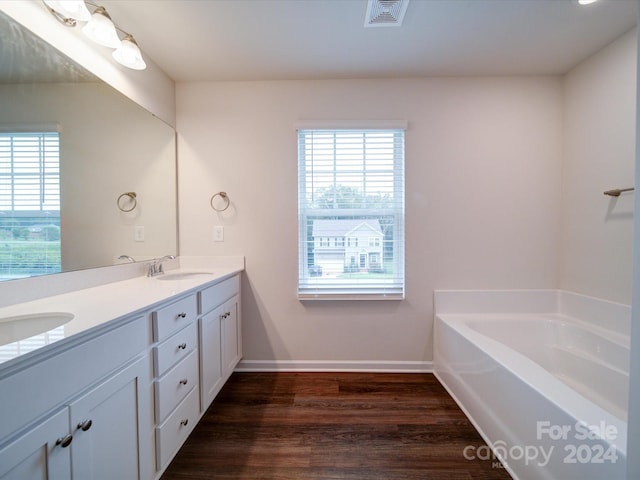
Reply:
x=132, y=200
x=225, y=199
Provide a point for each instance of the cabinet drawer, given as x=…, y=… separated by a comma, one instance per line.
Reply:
x=175, y=385
x=175, y=429
x=174, y=349
x=216, y=294
x=173, y=317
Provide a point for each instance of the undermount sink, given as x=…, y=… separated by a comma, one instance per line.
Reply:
x=20, y=327
x=184, y=275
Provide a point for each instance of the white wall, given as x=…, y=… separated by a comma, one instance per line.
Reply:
x=483, y=160
x=600, y=117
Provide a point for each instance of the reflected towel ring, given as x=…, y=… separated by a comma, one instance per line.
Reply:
x=132, y=200
x=224, y=197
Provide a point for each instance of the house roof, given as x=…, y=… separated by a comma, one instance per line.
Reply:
x=343, y=227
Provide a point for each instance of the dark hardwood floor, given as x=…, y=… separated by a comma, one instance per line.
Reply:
x=353, y=426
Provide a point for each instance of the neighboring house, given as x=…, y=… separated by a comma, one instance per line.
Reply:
x=347, y=246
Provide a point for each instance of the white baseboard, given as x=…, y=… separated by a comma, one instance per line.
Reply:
x=333, y=366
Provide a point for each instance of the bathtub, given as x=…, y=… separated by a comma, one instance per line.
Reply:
x=542, y=375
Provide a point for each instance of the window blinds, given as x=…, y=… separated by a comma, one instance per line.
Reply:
x=29, y=203
x=351, y=213
x=29, y=171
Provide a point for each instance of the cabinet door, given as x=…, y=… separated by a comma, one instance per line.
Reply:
x=210, y=357
x=231, y=336
x=110, y=425
x=36, y=454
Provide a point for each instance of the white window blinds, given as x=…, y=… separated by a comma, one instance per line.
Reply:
x=351, y=213
x=29, y=203
x=29, y=171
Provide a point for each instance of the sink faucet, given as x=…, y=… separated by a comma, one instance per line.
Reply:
x=155, y=266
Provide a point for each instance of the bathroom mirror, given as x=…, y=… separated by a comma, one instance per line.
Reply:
x=107, y=146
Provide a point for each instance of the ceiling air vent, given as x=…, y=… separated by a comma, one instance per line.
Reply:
x=385, y=13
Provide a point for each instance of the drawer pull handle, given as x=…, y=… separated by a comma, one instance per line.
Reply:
x=225, y=315
x=182, y=346
x=184, y=381
x=85, y=425
x=184, y=422
x=65, y=441
x=182, y=315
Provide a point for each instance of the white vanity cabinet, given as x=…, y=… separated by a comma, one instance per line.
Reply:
x=211, y=378
x=37, y=453
x=220, y=336
x=98, y=411
x=107, y=429
x=120, y=399
x=177, y=374
x=231, y=336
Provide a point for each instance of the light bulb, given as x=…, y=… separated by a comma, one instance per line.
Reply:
x=129, y=55
x=101, y=30
x=75, y=9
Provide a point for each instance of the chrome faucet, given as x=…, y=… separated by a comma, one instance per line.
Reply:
x=156, y=267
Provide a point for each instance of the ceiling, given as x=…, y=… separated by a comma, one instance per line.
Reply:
x=208, y=40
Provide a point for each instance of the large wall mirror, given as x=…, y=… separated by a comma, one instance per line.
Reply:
x=87, y=177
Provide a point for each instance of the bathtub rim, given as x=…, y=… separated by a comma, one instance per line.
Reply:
x=611, y=316
x=531, y=373
x=611, y=335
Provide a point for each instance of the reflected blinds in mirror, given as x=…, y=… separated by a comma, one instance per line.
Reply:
x=30, y=171
x=29, y=203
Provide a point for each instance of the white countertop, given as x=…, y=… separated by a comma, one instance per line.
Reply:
x=97, y=306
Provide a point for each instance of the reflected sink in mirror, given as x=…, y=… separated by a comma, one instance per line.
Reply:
x=184, y=276
x=20, y=327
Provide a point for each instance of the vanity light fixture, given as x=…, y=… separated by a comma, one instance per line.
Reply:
x=99, y=28
x=128, y=54
x=71, y=9
x=586, y=2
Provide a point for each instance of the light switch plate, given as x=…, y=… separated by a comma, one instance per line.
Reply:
x=218, y=233
x=138, y=233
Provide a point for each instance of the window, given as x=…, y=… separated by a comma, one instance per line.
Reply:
x=29, y=204
x=351, y=186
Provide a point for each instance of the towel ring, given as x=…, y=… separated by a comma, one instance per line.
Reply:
x=132, y=200
x=224, y=197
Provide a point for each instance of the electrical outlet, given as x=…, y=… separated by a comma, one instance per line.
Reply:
x=218, y=233
x=138, y=233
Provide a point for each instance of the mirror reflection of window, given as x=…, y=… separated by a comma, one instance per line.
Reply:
x=29, y=204
x=21, y=347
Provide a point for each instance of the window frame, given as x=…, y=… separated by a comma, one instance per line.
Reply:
x=311, y=287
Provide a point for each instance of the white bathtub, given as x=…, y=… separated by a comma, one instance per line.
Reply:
x=547, y=390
